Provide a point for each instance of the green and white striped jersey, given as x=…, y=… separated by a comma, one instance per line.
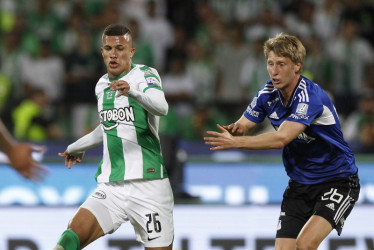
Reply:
x=130, y=133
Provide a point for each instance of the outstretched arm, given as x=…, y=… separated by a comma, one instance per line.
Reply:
x=75, y=151
x=19, y=155
x=273, y=140
x=243, y=126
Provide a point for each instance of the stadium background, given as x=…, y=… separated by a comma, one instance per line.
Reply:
x=209, y=56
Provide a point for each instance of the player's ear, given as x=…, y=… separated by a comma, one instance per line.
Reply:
x=132, y=52
x=297, y=67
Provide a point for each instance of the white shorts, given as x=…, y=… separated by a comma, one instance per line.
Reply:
x=147, y=204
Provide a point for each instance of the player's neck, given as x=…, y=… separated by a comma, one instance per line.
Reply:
x=287, y=92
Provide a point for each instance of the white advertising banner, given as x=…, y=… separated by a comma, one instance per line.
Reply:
x=204, y=227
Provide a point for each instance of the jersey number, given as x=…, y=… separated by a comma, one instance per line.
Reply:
x=152, y=220
x=333, y=195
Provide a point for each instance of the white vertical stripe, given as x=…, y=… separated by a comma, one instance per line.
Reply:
x=304, y=90
x=106, y=166
x=303, y=95
x=343, y=207
x=132, y=152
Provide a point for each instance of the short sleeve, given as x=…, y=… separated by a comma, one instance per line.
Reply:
x=255, y=111
x=305, y=110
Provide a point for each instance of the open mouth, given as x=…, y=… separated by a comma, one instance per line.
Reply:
x=275, y=81
x=113, y=64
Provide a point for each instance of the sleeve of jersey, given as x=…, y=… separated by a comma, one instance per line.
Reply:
x=305, y=111
x=90, y=140
x=255, y=111
x=153, y=100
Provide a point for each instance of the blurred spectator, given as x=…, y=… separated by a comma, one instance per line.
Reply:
x=104, y=13
x=363, y=13
x=179, y=88
x=5, y=87
x=11, y=56
x=158, y=30
x=42, y=21
x=350, y=55
x=69, y=36
x=44, y=71
x=178, y=48
x=210, y=31
x=302, y=23
x=267, y=24
x=30, y=120
x=144, y=52
x=205, y=117
x=83, y=68
x=358, y=128
x=183, y=14
x=201, y=68
x=229, y=59
x=317, y=66
x=327, y=17
x=253, y=73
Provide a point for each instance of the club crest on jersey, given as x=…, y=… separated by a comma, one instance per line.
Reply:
x=109, y=95
x=302, y=109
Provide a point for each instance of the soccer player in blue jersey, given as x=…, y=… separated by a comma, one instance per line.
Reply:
x=324, y=183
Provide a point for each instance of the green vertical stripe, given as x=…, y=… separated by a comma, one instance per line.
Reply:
x=151, y=151
x=117, y=161
x=98, y=172
x=114, y=143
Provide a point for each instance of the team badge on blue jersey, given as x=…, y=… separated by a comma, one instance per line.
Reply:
x=302, y=109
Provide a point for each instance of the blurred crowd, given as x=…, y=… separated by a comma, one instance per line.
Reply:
x=208, y=52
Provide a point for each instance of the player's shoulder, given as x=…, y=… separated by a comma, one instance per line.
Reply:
x=267, y=90
x=102, y=82
x=150, y=74
x=144, y=69
x=307, y=90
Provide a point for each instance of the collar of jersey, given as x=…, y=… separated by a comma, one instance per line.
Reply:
x=293, y=93
x=119, y=77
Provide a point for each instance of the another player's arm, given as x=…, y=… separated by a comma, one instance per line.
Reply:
x=75, y=151
x=153, y=100
x=287, y=132
x=243, y=126
x=20, y=155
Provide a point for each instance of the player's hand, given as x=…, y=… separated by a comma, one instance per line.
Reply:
x=70, y=159
x=235, y=129
x=220, y=141
x=121, y=86
x=20, y=157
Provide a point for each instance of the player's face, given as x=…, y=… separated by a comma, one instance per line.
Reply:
x=117, y=52
x=282, y=71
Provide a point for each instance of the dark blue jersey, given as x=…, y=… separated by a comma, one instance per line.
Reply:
x=320, y=152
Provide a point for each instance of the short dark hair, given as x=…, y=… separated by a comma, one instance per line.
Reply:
x=116, y=30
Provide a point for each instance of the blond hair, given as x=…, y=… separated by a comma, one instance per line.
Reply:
x=286, y=46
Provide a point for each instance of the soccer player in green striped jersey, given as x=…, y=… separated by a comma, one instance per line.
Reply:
x=132, y=181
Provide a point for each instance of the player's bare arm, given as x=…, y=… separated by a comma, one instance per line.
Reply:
x=223, y=140
x=241, y=127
